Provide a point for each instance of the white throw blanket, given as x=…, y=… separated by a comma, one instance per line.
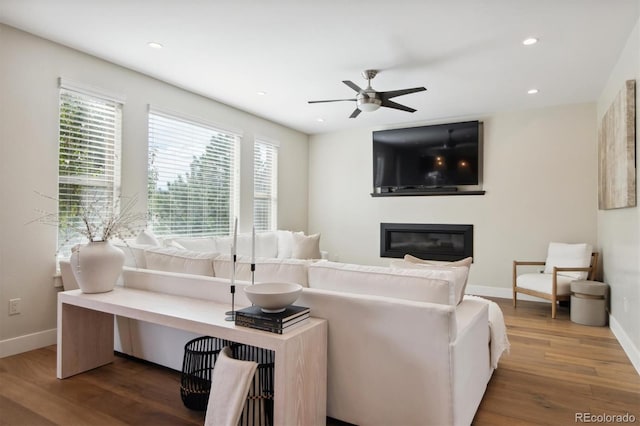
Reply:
x=497, y=329
x=230, y=384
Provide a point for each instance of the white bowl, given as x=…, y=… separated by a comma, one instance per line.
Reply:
x=273, y=297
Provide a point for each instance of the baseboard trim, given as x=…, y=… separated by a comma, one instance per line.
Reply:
x=28, y=342
x=500, y=292
x=625, y=341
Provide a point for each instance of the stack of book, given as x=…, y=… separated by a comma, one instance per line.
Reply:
x=281, y=322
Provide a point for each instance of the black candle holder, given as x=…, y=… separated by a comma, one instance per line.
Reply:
x=231, y=315
x=253, y=273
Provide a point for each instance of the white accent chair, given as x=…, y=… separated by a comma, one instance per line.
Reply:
x=565, y=263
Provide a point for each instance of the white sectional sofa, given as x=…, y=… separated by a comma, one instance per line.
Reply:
x=404, y=346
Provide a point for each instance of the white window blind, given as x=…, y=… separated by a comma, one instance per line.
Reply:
x=90, y=130
x=192, y=177
x=265, y=186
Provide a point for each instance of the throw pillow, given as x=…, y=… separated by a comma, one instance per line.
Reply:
x=568, y=256
x=148, y=238
x=196, y=243
x=285, y=244
x=462, y=262
x=306, y=247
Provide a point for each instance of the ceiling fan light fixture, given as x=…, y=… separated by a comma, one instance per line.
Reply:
x=368, y=102
x=369, y=107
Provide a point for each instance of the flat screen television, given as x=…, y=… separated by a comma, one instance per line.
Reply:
x=427, y=158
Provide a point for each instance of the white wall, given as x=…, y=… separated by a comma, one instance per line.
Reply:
x=539, y=176
x=619, y=230
x=29, y=71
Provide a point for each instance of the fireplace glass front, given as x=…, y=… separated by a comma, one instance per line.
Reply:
x=426, y=241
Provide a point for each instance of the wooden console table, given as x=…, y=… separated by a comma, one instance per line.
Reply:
x=86, y=330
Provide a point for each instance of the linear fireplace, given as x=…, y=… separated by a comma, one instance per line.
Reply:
x=426, y=241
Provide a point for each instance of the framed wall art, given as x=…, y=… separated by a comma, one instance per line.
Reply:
x=617, y=152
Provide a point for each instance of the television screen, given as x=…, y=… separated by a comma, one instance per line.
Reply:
x=444, y=155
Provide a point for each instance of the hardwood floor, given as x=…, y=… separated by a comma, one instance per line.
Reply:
x=555, y=369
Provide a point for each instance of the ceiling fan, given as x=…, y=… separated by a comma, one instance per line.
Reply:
x=369, y=100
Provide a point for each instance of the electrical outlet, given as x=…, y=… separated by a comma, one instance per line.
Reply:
x=14, y=306
x=625, y=302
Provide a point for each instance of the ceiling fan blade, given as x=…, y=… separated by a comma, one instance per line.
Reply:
x=394, y=93
x=355, y=113
x=331, y=100
x=353, y=86
x=390, y=104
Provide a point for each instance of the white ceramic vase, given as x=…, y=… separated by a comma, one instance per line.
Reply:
x=96, y=266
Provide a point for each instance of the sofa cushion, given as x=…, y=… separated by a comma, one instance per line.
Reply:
x=204, y=244
x=171, y=259
x=175, y=244
x=460, y=268
x=267, y=269
x=133, y=253
x=543, y=284
x=568, y=256
x=306, y=246
x=410, y=284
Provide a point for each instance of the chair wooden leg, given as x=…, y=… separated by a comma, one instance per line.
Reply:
x=554, y=292
x=513, y=284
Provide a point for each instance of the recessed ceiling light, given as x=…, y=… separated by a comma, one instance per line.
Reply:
x=320, y=120
x=529, y=41
x=532, y=91
x=154, y=45
x=261, y=93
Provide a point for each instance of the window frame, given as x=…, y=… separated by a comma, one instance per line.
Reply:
x=272, y=195
x=104, y=106
x=205, y=126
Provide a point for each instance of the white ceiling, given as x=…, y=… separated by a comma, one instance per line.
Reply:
x=467, y=53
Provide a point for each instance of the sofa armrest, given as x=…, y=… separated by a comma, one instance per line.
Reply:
x=471, y=360
x=68, y=279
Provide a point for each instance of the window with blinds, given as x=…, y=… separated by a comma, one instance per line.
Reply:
x=90, y=130
x=265, y=186
x=192, y=177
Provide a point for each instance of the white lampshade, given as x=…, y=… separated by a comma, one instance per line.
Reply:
x=368, y=107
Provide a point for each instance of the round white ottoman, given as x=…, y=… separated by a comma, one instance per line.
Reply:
x=589, y=302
